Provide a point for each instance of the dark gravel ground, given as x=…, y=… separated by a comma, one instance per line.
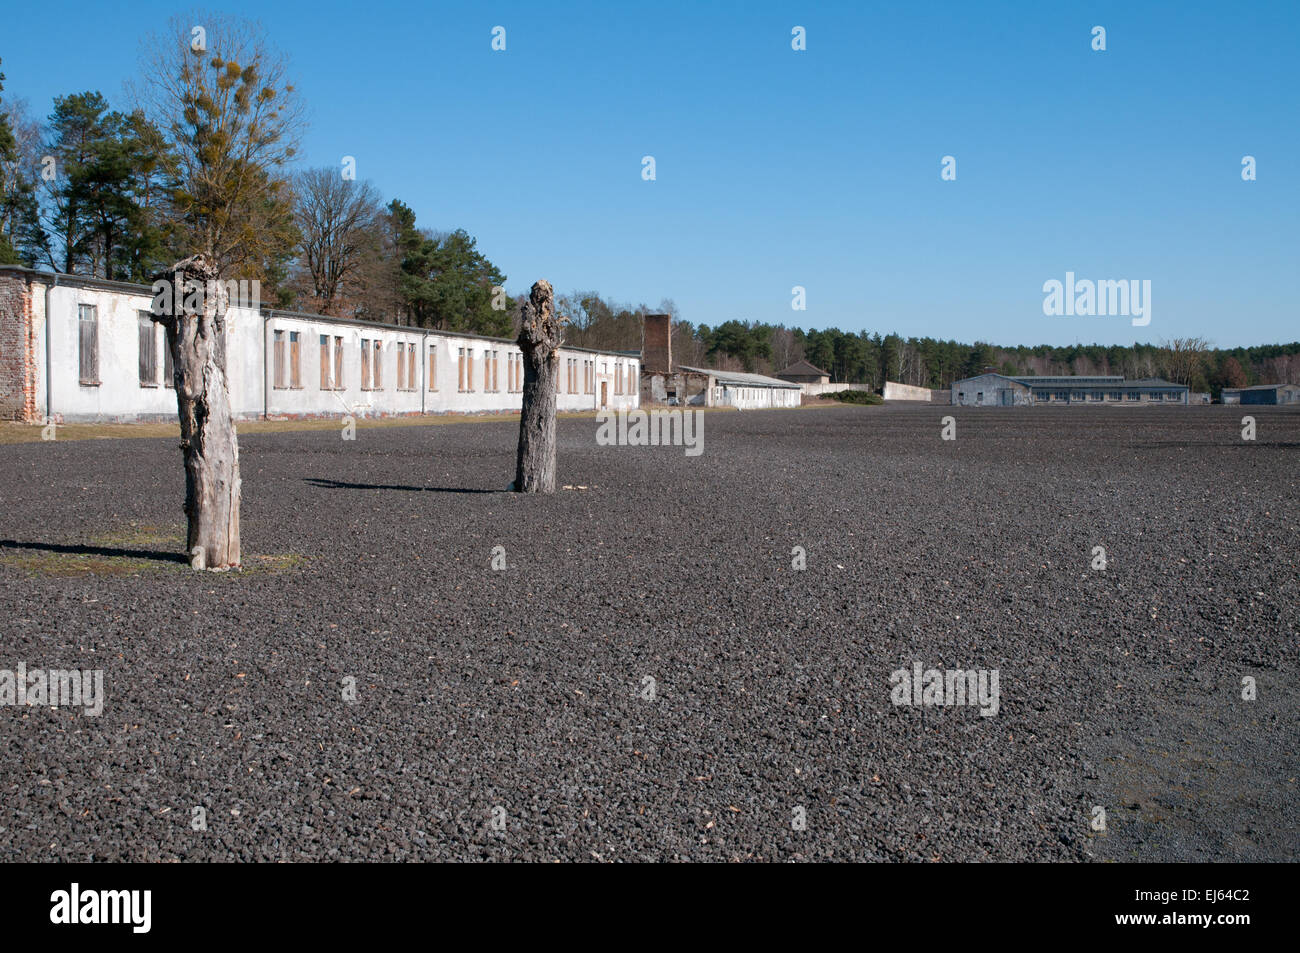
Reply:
x=518, y=689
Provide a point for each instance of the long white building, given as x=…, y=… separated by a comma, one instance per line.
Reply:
x=85, y=349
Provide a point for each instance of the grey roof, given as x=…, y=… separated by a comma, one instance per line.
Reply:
x=1069, y=379
x=738, y=377
x=1120, y=384
x=803, y=367
x=1101, y=383
x=1238, y=390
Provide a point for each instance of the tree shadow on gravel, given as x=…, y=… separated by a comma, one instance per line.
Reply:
x=108, y=552
x=342, y=485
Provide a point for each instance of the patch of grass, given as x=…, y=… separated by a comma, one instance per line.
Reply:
x=12, y=432
x=160, y=549
x=80, y=564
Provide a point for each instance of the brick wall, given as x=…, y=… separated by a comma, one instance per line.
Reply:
x=18, y=371
x=657, y=350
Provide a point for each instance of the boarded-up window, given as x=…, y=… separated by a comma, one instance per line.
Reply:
x=433, y=367
x=277, y=350
x=295, y=359
x=377, y=365
x=325, y=365
x=411, y=382
x=401, y=366
x=169, y=369
x=338, y=363
x=460, y=369
x=469, y=369
x=148, y=334
x=88, y=343
x=365, y=364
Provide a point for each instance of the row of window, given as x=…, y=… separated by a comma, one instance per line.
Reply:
x=624, y=376
x=151, y=341
x=1114, y=395
x=287, y=362
x=1065, y=396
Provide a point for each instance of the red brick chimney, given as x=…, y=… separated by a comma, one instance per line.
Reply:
x=657, y=345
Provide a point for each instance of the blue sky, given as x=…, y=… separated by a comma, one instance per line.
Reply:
x=818, y=168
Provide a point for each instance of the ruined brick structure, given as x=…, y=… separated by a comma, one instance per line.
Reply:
x=19, y=373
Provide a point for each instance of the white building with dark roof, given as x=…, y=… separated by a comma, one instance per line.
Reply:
x=746, y=391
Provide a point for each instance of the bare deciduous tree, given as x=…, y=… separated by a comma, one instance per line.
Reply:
x=339, y=221
x=1183, y=358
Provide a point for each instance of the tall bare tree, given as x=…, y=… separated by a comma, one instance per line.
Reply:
x=339, y=221
x=1183, y=358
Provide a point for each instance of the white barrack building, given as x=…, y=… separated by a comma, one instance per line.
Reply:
x=85, y=349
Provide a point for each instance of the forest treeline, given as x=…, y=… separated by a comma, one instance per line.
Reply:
x=865, y=357
x=204, y=159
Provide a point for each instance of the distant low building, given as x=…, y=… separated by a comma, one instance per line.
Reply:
x=802, y=372
x=1262, y=394
x=746, y=391
x=998, y=390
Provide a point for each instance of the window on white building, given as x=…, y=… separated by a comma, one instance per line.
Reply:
x=277, y=351
x=148, y=335
x=88, y=344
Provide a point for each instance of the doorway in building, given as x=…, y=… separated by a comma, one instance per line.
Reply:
x=604, y=394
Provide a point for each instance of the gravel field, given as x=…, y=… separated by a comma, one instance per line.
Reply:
x=520, y=691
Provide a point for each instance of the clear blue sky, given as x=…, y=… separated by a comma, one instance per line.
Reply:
x=818, y=168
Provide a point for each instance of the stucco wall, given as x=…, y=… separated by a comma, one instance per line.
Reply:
x=989, y=390
x=813, y=390
x=746, y=398
x=894, y=391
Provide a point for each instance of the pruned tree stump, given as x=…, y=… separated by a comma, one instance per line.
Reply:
x=190, y=302
x=539, y=338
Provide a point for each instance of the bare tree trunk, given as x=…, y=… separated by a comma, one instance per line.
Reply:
x=190, y=302
x=539, y=339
